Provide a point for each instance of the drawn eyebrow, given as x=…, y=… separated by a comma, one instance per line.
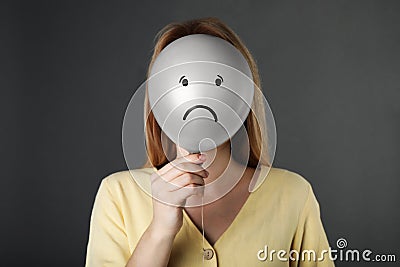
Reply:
x=220, y=77
x=181, y=78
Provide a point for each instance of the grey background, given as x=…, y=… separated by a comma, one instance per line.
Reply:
x=330, y=70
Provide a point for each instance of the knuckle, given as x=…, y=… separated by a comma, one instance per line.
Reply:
x=192, y=190
x=180, y=166
x=174, y=163
x=192, y=177
x=187, y=177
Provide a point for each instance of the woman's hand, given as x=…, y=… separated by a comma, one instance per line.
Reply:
x=171, y=186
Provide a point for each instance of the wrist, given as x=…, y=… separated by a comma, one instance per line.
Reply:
x=157, y=232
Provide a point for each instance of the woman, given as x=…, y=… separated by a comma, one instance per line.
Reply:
x=130, y=228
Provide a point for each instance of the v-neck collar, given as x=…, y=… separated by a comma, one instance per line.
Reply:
x=227, y=230
x=231, y=225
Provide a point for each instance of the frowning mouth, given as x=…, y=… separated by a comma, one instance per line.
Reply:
x=201, y=106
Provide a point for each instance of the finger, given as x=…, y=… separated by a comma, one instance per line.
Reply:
x=180, y=196
x=181, y=181
x=187, y=179
x=190, y=190
x=193, y=158
x=177, y=197
x=196, y=158
x=178, y=171
x=184, y=168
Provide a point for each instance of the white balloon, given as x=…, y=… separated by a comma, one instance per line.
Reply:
x=195, y=83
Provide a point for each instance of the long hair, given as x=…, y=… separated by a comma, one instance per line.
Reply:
x=156, y=148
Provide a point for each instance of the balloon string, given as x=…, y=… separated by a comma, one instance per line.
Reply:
x=202, y=223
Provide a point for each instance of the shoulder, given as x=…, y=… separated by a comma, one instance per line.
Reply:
x=284, y=179
x=126, y=175
x=126, y=181
x=289, y=180
x=285, y=186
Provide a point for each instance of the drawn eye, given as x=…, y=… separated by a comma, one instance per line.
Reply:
x=219, y=80
x=183, y=80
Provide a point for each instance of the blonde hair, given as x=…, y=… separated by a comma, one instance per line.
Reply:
x=254, y=125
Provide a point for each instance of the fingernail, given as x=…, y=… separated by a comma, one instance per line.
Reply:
x=202, y=157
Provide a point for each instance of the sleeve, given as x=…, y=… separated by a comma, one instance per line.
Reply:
x=108, y=243
x=310, y=240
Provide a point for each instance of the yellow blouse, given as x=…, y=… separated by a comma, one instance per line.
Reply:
x=281, y=214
